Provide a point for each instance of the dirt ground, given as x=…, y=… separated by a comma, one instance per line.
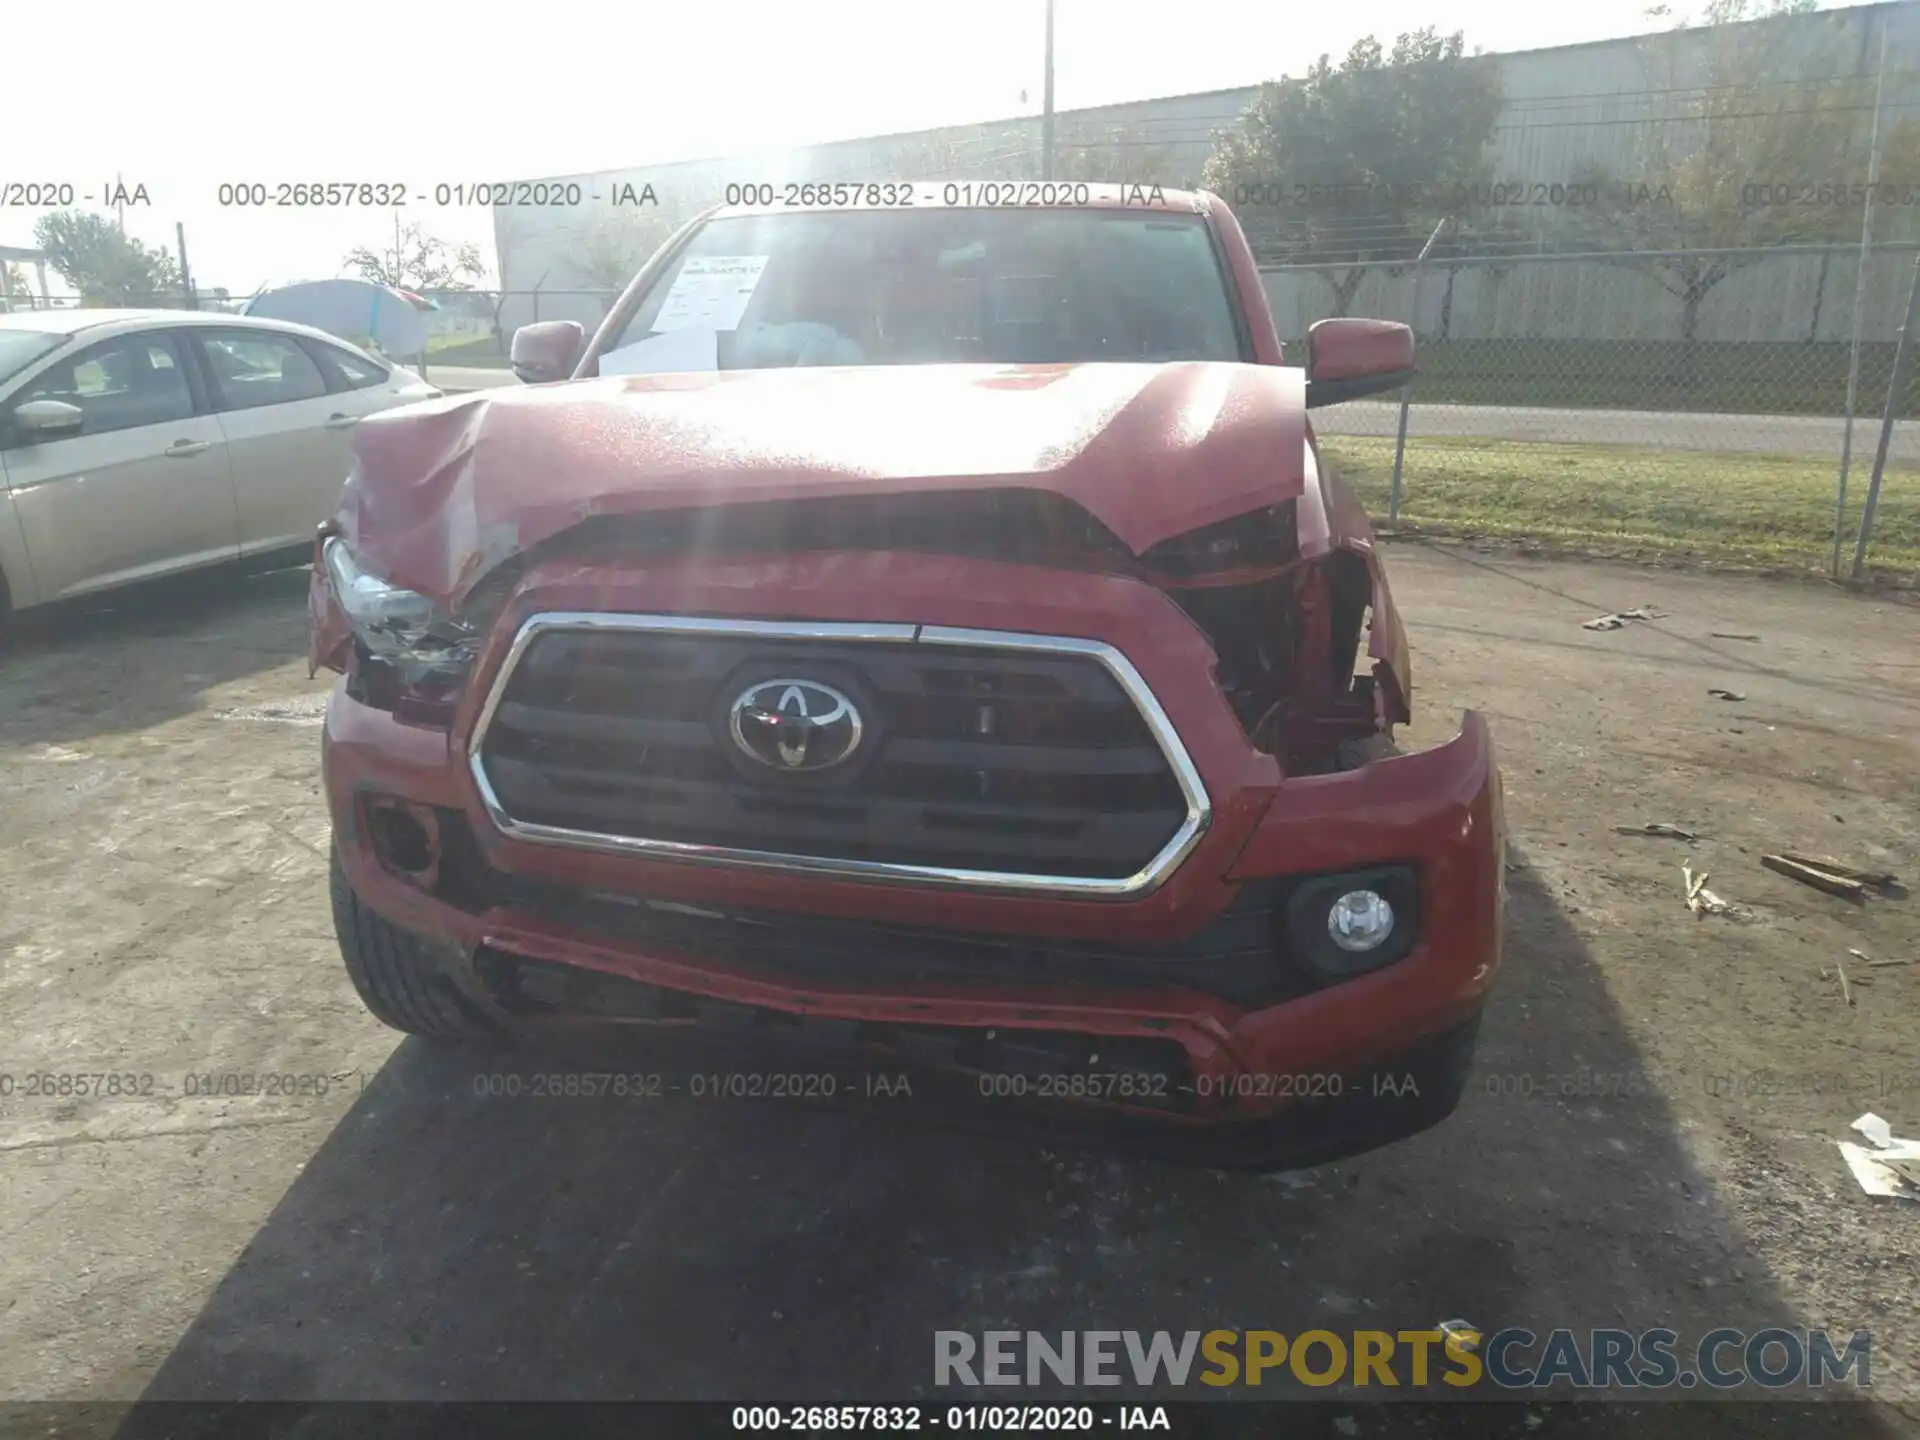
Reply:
x=163, y=913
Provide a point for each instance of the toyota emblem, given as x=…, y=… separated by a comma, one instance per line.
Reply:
x=795, y=725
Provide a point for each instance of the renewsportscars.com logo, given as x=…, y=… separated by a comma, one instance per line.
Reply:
x=1511, y=1359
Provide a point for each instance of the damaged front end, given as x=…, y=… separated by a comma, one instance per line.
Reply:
x=1309, y=651
x=402, y=652
x=1100, y=643
x=1288, y=618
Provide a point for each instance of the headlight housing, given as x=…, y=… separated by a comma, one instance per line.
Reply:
x=407, y=648
x=1265, y=538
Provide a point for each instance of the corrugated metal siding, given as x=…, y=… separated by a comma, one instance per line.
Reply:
x=1777, y=298
x=1565, y=108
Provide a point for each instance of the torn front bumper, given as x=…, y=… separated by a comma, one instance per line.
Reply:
x=1246, y=1047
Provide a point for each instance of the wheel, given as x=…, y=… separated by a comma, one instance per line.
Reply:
x=396, y=972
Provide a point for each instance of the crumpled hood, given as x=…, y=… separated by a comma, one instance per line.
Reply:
x=445, y=490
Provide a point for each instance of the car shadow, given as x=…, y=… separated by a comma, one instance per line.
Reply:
x=451, y=1242
x=136, y=658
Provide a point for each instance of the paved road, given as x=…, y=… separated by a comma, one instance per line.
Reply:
x=1723, y=434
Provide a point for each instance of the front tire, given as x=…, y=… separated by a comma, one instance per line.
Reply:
x=396, y=973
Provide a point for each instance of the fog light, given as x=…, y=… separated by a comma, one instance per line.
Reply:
x=406, y=838
x=1360, y=920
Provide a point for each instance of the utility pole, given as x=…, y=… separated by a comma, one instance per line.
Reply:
x=1896, y=401
x=186, y=275
x=1046, y=115
x=1859, y=300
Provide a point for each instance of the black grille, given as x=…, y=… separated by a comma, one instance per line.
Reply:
x=984, y=760
x=1241, y=955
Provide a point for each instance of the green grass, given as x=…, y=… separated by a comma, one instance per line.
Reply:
x=1762, y=512
x=1747, y=378
x=450, y=351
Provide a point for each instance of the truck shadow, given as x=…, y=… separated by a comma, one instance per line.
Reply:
x=447, y=1243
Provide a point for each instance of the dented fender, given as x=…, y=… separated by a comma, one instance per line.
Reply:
x=1331, y=518
x=329, y=636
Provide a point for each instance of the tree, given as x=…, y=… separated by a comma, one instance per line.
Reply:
x=16, y=286
x=616, y=245
x=106, y=267
x=1125, y=158
x=418, y=261
x=1358, y=163
x=1701, y=195
x=1723, y=12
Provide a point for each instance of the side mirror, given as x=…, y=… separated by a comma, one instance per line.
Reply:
x=1350, y=358
x=48, y=419
x=546, y=351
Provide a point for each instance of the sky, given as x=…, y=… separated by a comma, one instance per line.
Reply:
x=182, y=98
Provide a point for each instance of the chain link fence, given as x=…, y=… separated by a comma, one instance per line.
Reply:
x=1615, y=403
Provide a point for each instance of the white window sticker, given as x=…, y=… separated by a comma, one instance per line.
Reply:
x=711, y=291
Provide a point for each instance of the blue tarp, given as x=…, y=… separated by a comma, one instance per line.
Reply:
x=355, y=310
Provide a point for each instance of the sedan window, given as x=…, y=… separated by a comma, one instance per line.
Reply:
x=20, y=348
x=252, y=369
x=134, y=380
x=356, y=372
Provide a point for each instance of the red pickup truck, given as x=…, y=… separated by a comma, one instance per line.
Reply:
x=925, y=628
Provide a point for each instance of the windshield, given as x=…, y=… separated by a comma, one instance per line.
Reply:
x=907, y=287
x=20, y=348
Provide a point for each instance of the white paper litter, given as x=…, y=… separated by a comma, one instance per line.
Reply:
x=1874, y=1177
x=1619, y=619
x=1875, y=1129
x=711, y=291
x=1891, y=1168
x=677, y=352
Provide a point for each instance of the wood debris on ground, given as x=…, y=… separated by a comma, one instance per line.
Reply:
x=1836, y=877
x=1700, y=900
x=1657, y=827
x=1846, y=985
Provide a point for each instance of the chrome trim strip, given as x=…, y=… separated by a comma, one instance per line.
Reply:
x=1142, y=882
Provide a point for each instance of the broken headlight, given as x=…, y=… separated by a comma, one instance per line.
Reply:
x=410, y=654
x=1267, y=537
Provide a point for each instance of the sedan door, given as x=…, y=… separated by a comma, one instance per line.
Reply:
x=364, y=385
x=141, y=489
x=289, y=435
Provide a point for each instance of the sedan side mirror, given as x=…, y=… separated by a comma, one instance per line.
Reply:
x=1350, y=358
x=546, y=351
x=48, y=419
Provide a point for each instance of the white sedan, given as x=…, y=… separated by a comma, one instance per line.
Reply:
x=141, y=443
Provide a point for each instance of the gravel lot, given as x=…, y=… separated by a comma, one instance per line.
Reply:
x=162, y=844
